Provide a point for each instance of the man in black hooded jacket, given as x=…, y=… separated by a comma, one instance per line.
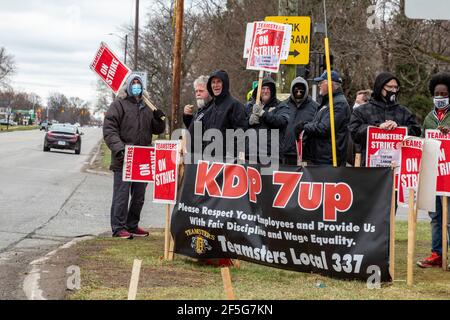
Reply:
x=225, y=112
x=302, y=108
x=317, y=133
x=267, y=115
x=383, y=111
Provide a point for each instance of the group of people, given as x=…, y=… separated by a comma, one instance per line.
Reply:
x=128, y=122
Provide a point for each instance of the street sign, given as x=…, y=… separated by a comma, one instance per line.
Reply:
x=300, y=38
x=430, y=9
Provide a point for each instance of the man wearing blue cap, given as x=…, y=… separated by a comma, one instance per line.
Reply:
x=317, y=133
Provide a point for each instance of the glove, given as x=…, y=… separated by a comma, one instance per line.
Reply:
x=298, y=129
x=254, y=119
x=257, y=108
x=120, y=155
x=158, y=114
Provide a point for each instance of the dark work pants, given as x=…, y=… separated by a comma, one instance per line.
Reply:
x=126, y=213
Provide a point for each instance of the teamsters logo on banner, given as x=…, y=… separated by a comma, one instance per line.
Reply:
x=199, y=241
x=333, y=221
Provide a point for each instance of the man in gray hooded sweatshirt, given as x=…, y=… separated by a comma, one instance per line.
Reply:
x=301, y=109
x=129, y=122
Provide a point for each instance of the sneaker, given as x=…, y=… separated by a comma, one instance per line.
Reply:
x=123, y=234
x=139, y=232
x=434, y=260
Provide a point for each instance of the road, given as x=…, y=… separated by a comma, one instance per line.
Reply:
x=46, y=199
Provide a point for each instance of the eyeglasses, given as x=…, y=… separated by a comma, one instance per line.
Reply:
x=391, y=87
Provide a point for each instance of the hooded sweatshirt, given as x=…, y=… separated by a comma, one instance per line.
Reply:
x=299, y=111
x=377, y=111
x=275, y=116
x=128, y=121
x=225, y=112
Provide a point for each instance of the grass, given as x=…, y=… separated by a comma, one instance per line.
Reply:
x=17, y=128
x=105, y=157
x=106, y=265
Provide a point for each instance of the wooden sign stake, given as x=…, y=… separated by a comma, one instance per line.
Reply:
x=226, y=277
x=392, y=230
x=358, y=160
x=167, y=233
x=132, y=291
x=412, y=220
x=444, y=232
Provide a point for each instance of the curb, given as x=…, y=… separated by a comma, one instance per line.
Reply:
x=31, y=282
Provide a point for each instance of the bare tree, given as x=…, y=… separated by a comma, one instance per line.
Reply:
x=7, y=66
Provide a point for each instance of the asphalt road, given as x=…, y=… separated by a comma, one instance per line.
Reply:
x=46, y=199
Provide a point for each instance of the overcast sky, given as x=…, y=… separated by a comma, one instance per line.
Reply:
x=54, y=41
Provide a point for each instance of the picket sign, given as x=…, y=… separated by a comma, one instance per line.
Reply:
x=132, y=291
x=113, y=72
x=226, y=278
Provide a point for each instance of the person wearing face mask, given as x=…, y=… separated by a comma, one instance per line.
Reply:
x=129, y=122
x=438, y=118
x=302, y=108
x=267, y=115
x=383, y=111
x=317, y=132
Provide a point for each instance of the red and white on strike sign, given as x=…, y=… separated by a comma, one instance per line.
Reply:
x=443, y=177
x=382, y=146
x=166, y=171
x=139, y=164
x=268, y=46
x=410, y=159
x=110, y=69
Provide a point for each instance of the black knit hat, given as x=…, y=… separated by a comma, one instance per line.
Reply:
x=380, y=81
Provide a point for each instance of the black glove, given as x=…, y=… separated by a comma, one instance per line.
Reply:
x=298, y=129
x=158, y=114
x=120, y=155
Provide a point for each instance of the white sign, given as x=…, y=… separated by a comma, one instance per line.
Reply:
x=428, y=9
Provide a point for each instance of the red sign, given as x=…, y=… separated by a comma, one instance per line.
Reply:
x=166, y=171
x=443, y=177
x=383, y=146
x=267, y=46
x=139, y=164
x=109, y=68
x=410, y=159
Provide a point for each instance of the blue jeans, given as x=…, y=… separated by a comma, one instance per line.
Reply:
x=436, y=227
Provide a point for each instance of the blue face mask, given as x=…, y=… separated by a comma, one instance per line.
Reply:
x=136, y=89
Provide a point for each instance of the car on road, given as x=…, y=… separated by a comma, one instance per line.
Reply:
x=44, y=125
x=4, y=122
x=63, y=136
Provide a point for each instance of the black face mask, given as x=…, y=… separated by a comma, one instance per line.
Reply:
x=391, y=96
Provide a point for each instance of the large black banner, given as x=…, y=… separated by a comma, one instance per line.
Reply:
x=333, y=221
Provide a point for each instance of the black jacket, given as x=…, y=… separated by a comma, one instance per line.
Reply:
x=128, y=123
x=303, y=111
x=317, y=133
x=225, y=112
x=190, y=123
x=275, y=116
x=377, y=111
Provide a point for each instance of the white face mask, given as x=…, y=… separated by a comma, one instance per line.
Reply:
x=441, y=102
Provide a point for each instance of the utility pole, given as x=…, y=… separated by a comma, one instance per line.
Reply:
x=126, y=46
x=177, y=64
x=287, y=72
x=136, y=36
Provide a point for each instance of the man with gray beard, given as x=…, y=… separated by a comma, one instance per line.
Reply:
x=203, y=102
